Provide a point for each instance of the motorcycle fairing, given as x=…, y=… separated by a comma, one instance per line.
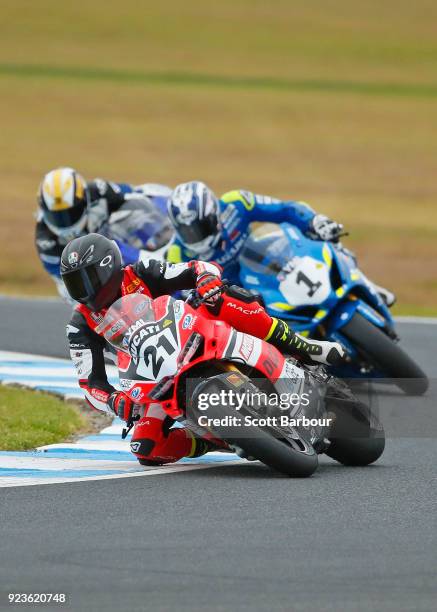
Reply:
x=168, y=330
x=306, y=281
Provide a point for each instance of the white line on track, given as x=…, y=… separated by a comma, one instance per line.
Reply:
x=152, y=471
x=103, y=456
x=420, y=320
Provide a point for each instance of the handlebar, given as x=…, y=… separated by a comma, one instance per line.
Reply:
x=195, y=300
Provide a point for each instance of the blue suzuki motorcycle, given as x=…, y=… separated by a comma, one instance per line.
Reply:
x=319, y=289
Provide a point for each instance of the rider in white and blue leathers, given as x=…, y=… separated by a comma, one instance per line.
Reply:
x=216, y=229
x=69, y=206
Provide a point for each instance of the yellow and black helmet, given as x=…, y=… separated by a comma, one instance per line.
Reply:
x=63, y=200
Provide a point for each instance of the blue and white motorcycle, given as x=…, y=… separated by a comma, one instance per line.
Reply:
x=141, y=226
x=319, y=289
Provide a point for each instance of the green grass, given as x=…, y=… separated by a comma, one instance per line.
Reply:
x=328, y=39
x=417, y=310
x=31, y=418
x=183, y=79
x=328, y=101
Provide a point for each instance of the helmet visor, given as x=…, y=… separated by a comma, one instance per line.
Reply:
x=84, y=284
x=65, y=218
x=198, y=230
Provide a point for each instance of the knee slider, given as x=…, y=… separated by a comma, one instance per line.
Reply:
x=142, y=447
x=148, y=463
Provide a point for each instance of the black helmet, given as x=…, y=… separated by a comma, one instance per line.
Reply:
x=92, y=271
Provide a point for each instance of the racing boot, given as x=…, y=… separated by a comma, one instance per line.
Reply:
x=307, y=350
x=201, y=446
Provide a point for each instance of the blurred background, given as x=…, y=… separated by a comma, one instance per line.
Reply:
x=331, y=101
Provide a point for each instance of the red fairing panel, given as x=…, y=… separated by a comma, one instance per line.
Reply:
x=256, y=353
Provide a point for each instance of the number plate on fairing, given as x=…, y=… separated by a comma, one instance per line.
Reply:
x=155, y=349
x=305, y=280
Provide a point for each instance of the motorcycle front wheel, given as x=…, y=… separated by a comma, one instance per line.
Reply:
x=296, y=458
x=382, y=353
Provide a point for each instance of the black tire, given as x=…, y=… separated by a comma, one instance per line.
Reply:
x=357, y=437
x=382, y=352
x=276, y=453
x=356, y=452
x=298, y=460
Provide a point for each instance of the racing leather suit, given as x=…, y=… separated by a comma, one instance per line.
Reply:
x=105, y=198
x=238, y=210
x=153, y=440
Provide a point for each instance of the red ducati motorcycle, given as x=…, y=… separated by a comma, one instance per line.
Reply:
x=233, y=387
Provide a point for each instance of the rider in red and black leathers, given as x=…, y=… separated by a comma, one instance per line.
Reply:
x=153, y=279
x=92, y=272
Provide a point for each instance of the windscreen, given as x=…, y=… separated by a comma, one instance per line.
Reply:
x=140, y=224
x=125, y=316
x=267, y=249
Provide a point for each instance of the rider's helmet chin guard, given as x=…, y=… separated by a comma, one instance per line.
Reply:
x=91, y=268
x=204, y=246
x=63, y=201
x=195, y=214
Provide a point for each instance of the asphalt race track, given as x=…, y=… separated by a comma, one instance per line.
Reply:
x=34, y=326
x=226, y=538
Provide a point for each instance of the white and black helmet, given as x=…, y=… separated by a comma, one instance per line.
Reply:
x=63, y=201
x=195, y=213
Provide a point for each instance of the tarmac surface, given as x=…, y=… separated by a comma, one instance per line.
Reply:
x=227, y=538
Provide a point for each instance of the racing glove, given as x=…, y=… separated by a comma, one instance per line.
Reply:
x=207, y=286
x=98, y=214
x=325, y=228
x=105, y=198
x=121, y=405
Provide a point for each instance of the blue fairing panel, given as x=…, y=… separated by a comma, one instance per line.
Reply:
x=52, y=268
x=129, y=253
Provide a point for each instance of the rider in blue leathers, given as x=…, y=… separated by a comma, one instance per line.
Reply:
x=70, y=207
x=216, y=229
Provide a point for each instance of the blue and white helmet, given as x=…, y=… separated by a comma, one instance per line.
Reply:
x=194, y=211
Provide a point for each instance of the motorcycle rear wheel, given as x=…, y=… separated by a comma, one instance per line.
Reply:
x=357, y=437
